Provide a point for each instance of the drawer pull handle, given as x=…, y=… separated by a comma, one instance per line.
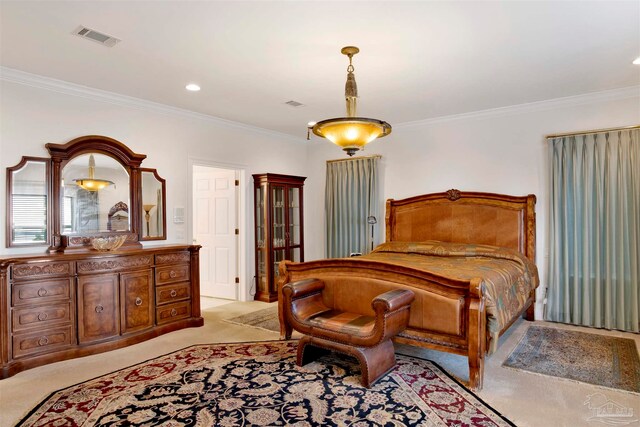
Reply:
x=173, y=274
x=173, y=293
x=43, y=341
x=99, y=308
x=42, y=292
x=42, y=316
x=138, y=301
x=174, y=312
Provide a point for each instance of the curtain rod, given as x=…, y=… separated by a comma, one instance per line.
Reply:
x=587, y=132
x=375, y=156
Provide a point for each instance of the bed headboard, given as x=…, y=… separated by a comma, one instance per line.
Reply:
x=465, y=217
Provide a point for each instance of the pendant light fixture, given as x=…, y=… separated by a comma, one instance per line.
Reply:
x=91, y=183
x=351, y=133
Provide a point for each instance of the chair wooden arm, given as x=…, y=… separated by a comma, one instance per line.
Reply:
x=393, y=300
x=392, y=313
x=302, y=288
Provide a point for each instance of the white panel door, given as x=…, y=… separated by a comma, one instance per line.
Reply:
x=214, y=207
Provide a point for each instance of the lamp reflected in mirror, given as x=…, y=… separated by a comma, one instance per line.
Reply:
x=147, y=216
x=91, y=183
x=94, y=205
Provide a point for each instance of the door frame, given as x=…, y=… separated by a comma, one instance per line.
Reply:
x=242, y=215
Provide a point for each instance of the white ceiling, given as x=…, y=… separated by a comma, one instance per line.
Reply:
x=418, y=60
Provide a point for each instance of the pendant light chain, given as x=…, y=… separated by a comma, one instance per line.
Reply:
x=350, y=68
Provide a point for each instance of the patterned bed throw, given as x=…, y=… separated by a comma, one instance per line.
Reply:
x=508, y=275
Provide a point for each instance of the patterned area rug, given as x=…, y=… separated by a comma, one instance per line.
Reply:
x=595, y=359
x=266, y=318
x=259, y=384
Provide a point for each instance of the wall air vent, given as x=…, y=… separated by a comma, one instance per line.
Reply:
x=294, y=103
x=95, y=36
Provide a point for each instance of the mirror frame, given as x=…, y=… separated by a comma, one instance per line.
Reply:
x=162, y=182
x=61, y=154
x=9, y=200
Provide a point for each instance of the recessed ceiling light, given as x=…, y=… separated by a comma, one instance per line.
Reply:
x=637, y=61
x=192, y=87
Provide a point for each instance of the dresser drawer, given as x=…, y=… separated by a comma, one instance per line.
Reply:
x=109, y=264
x=173, y=292
x=44, y=316
x=172, y=274
x=173, y=312
x=41, y=291
x=173, y=258
x=41, y=269
x=41, y=342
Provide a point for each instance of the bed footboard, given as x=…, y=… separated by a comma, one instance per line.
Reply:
x=447, y=315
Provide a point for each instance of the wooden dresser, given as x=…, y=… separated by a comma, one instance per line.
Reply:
x=57, y=307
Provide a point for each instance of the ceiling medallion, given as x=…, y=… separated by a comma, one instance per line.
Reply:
x=351, y=133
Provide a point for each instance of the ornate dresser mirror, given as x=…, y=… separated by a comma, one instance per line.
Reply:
x=91, y=187
x=95, y=192
x=28, y=203
x=154, y=225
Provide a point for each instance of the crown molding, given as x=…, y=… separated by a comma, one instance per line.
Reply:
x=67, y=88
x=550, y=104
x=61, y=86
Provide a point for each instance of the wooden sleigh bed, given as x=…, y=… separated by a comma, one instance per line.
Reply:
x=452, y=311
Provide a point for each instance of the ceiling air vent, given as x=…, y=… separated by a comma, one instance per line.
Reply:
x=95, y=36
x=294, y=103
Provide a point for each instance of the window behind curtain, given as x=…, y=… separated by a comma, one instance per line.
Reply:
x=351, y=196
x=594, y=266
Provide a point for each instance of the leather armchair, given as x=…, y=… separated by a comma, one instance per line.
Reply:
x=368, y=338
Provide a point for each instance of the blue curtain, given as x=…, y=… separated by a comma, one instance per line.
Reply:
x=595, y=230
x=351, y=196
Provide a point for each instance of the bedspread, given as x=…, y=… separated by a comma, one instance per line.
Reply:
x=509, y=276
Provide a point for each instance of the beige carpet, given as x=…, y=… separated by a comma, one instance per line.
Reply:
x=526, y=399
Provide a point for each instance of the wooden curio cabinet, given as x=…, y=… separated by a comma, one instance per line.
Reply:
x=278, y=227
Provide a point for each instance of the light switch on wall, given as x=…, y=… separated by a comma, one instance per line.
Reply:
x=178, y=215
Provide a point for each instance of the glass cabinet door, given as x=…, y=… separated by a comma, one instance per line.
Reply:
x=294, y=224
x=260, y=219
x=261, y=249
x=278, y=202
x=278, y=227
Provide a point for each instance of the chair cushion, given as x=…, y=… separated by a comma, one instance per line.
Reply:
x=344, y=322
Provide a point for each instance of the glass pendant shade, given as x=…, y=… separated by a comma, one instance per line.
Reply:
x=91, y=183
x=351, y=133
